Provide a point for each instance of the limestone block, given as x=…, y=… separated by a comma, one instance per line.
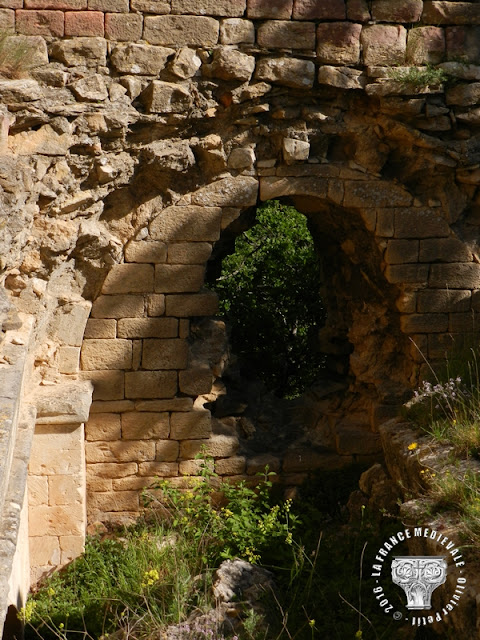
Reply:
x=217, y=446
x=338, y=43
x=258, y=464
x=463, y=44
x=120, y=6
x=174, y=404
x=115, y=501
x=57, y=520
x=195, y=424
x=188, y=253
x=166, y=97
x=357, y=441
x=290, y=72
x=384, y=45
x=120, y=451
x=181, y=31
x=178, y=224
x=154, y=252
x=295, y=150
x=167, y=450
x=100, y=328
x=185, y=64
x=210, y=7
x=129, y=278
x=148, y=328
x=464, y=95
x=110, y=470
x=442, y=300
x=275, y=34
x=156, y=305
x=237, y=31
x=277, y=9
x=66, y=403
x=314, y=10
x=358, y=10
x=451, y=12
x=402, y=251
x=463, y=322
x=133, y=484
x=171, y=278
x=151, y=6
x=425, y=45
x=68, y=325
x=71, y=547
x=140, y=59
x=273, y=187
x=230, y=64
x=164, y=354
x=150, y=384
x=401, y=11
x=45, y=460
x=407, y=273
x=241, y=158
x=68, y=359
x=375, y=194
x=424, y=323
x=65, y=489
x=145, y=426
x=103, y=426
x=12, y=91
x=90, y=89
x=455, y=276
x=444, y=250
x=113, y=406
x=174, y=155
x=123, y=26
x=195, y=382
x=107, y=385
x=36, y=54
x=37, y=490
x=419, y=223
x=229, y=192
x=85, y=51
x=44, y=550
x=120, y=306
x=230, y=466
x=100, y=354
x=196, y=304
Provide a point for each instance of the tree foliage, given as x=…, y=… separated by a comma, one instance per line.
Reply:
x=269, y=295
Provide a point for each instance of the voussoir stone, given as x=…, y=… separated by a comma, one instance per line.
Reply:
x=140, y=58
x=166, y=97
x=290, y=72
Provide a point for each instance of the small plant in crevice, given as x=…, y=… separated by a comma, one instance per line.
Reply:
x=419, y=77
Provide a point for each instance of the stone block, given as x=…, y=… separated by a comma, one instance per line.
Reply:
x=384, y=45
x=84, y=23
x=230, y=466
x=191, y=467
x=401, y=251
x=463, y=44
x=112, y=406
x=467, y=322
x=295, y=150
x=45, y=461
x=461, y=13
x=165, y=354
x=129, y=278
x=100, y=328
x=64, y=5
x=89, y=89
x=237, y=31
x=276, y=9
x=241, y=158
x=120, y=306
x=44, y=551
x=65, y=490
x=100, y=484
x=103, y=426
x=444, y=250
x=338, y=43
x=39, y=22
x=274, y=187
x=274, y=34
x=145, y=426
x=161, y=7
x=11, y=4
x=7, y=22
x=455, y=276
x=166, y=97
x=107, y=385
x=358, y=10
x=153, y=252
x=140, y=59
x=120, y=451
x=120, y=6
x=289, y=72
x=158, y=469
x=195, y=382
x=100, y=354
x=35, y=47
x=230, y=64
x=178, y=278
x=402, y=11
x=424, y=323
x=150, y=384
x=407, y=274
x=240, y=191
x=178, y=224
x=115, y=501
x=343, y=78
x=319, y=10
x=132, y=484
x=224, y=8
x=464, y=95
x=185, y=64
x=68, y=359
x=189, y=252
x=196, y=31
x=167, y=450
x=71, y=547
x=57, y=520
x=156, y=305
x=123, y=27
x=443, y=300
x=109, y=470
x=374, y=194
x=425, y=45
x=195, y=424
x=217, y=446
x=420, y=223
x=196, y=304
x=259, y=464
x=148, y=328
x=65, y=403
x=173, y=404
x=37, y=490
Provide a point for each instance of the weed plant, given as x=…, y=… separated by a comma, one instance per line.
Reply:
x=419, y=77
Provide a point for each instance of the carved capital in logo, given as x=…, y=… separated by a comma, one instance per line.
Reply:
x=419, y=576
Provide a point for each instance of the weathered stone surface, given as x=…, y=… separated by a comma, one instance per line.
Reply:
x=140, y=58
x=277, y=9
x=118, y=306
x=80, y=51
x=164, y=354
x=425, y=45
x=181, y=30
x=147, y=328
x=161, y=7
x=12, y=91
x=455, y=276
x=129, y=278
x=186, y=63
x=401, y=11
x=152, y=252
x=443, y=300
x=444, y=250
x=198, y=304
x=150, y=384
x=384, y=45
x=419, y=223
x=290, y=72
x=45, y=141
x=237, y=31
x=424, y=323
x=464, y=95
x=145, y=426
x=222, y=8
x=341, y=77
x=217, y=446
x=376, y=194
x=463, y=44
x=338, y=43
x=195, y=382
x=229, y=192
x=358, y=10
x=276, y=33
x=171, y=278
x=192, y=425
x=451, y=12
x=106, y=354
x=402, y=251
x=68, y=403
x=91, y=88
x=230, y=64
x=175, y=155
x=315, y=10
x=230, y=466
x=103, y=426
x=295, y=150
x=120, y=451
x=177, y=224
x=166, y=97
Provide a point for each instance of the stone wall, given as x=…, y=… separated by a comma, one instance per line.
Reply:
x=136, y=137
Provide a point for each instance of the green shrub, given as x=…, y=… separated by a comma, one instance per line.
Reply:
x=419, y=77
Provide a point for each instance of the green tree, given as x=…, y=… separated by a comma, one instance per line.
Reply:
x=269, y=296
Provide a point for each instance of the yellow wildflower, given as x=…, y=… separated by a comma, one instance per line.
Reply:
x=412, y=446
